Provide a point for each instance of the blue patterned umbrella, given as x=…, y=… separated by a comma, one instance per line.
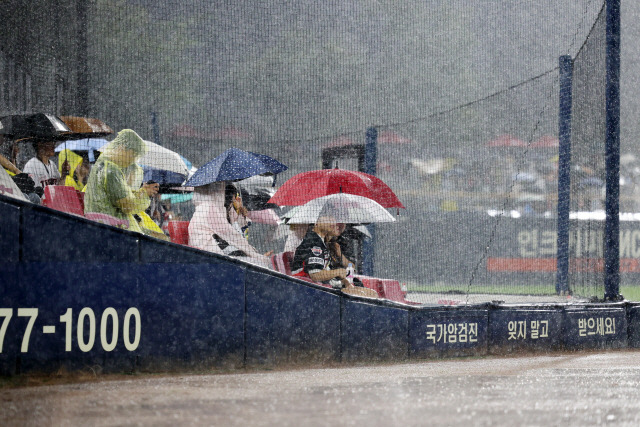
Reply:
x=234, y=164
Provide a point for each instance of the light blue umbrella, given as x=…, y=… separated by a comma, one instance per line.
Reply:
x=90, y=145
x=233, y=165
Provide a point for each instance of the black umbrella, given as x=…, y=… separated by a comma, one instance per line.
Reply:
x=34, y=126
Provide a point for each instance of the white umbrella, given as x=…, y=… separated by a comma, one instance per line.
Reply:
x=343, y=208
x=158, y=157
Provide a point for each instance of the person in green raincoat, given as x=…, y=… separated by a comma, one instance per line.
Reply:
x=108, y=191
x=78, y=169
x=134, y=175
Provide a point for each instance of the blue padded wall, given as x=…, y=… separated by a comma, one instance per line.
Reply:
x=9, y=272
x=595, y=327
x=57, y=236
x=203, y=310
x=54, y=287
x=373, y=332
x=194, y=305
x=288, y=322
x=9, y=232
x=525, y=329
x=153, y=250
x=633, y=319
x=451, y=332
x=192, y=314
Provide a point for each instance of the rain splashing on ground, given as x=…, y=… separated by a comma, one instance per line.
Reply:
x=572, y=389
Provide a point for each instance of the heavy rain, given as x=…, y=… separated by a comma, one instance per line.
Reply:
x=288, y=213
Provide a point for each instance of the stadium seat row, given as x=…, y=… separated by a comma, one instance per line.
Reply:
x=68, y=199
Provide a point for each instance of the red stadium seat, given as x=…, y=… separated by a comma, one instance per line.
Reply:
x=387, y=288
x=392, y=290
x=81, y=198
x=179, y=232
x=282, y=262
x=63, y=198
x=371, y=283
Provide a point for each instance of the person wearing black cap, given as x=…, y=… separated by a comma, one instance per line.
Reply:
x=41, y=168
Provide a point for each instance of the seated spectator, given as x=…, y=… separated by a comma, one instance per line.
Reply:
x=211, y=227
x=107, y=189
x=338, y=258
x=42, y=168
x=78, y=169
x=312, y=257
x=338, y=246
x=238, y=217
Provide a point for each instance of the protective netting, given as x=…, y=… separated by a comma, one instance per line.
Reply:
x=587, y=173
x=460, y=100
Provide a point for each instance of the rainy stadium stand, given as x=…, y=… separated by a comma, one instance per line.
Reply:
x=122, y=301
x=455, y=109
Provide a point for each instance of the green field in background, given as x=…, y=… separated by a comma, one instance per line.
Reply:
x=630, y=292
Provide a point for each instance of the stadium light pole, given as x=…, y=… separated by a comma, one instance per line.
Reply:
x=370, y=166
x=612, y=155
x=564, y=173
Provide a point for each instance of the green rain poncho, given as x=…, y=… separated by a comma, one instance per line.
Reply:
x=107, y=190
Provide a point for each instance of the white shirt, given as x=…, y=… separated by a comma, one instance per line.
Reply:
x=40, y=172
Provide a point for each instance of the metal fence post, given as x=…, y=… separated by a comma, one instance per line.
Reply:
x=612, y=155
x=370, y=162
x=564, y=173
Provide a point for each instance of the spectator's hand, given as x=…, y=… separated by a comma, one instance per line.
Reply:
x=268, y=253
x=65, y=169
x=151, y=189
x=341, y=273
x=239, y=207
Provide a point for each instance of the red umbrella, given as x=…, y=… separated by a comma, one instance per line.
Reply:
x=307, y=186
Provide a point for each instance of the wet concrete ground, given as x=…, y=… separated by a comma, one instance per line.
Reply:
x=568, y=389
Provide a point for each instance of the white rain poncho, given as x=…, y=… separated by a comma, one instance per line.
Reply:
x=210, y=218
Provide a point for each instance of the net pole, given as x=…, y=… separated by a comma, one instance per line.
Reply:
x=612, y=154
x=155, y=128
x=83, y=59
x=370, y=163
x=564, y=173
